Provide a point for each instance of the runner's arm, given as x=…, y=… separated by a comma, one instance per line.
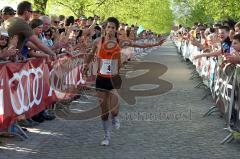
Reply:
x=133, y=44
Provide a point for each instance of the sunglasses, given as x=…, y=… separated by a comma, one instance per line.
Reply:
x=30, y=11
x=57, y=22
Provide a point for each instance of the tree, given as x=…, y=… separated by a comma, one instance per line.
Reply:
x=81, y=7
x=152, y=14
x=40, y=5
x=206, y=11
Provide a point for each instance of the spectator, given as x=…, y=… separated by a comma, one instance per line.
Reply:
x=83, y=22
x=19, y=26
x=37, y=25
x=46, y=27
x=89, y=21
x=69, y=21
x=5, y=51
x=55, y=22
x=49, y=36
x=7, y=12
x=61, y=18
x=61, y=27
x=97, y=32
x=237, y=28
x=216, y=27
x=36, y=14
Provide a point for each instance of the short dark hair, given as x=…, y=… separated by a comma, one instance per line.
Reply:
x=230, y=22
x=49, y=31
x=113, y=20
x=61, y=17
x=236, y=37
x=23, y=6
x=8, y=10
x=217, y=25
x=35, y=23
x=226, y=28
x=97, y=27
x=69, y=20
x=212, y=30
x=90, y=18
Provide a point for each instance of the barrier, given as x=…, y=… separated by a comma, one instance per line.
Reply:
x=30, y=87
x=224, y=84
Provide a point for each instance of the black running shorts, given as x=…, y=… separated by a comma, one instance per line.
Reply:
x=103, y=83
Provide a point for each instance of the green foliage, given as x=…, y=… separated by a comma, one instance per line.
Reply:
x=206, y=11
x=40, y=5
x=152, y=14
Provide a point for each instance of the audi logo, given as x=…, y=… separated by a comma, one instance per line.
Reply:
x=26, y=89
x=60, y=80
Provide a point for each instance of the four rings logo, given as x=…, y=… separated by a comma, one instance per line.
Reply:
x=26, y=89
x=63, y=80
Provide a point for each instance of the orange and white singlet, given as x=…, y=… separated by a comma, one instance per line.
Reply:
x=109, y=60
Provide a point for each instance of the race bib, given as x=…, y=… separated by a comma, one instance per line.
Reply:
x=109, y=67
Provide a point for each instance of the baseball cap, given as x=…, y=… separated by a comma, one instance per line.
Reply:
x=4, y=33
x=8, y=10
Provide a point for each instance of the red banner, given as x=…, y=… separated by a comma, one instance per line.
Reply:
x=28, y=88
